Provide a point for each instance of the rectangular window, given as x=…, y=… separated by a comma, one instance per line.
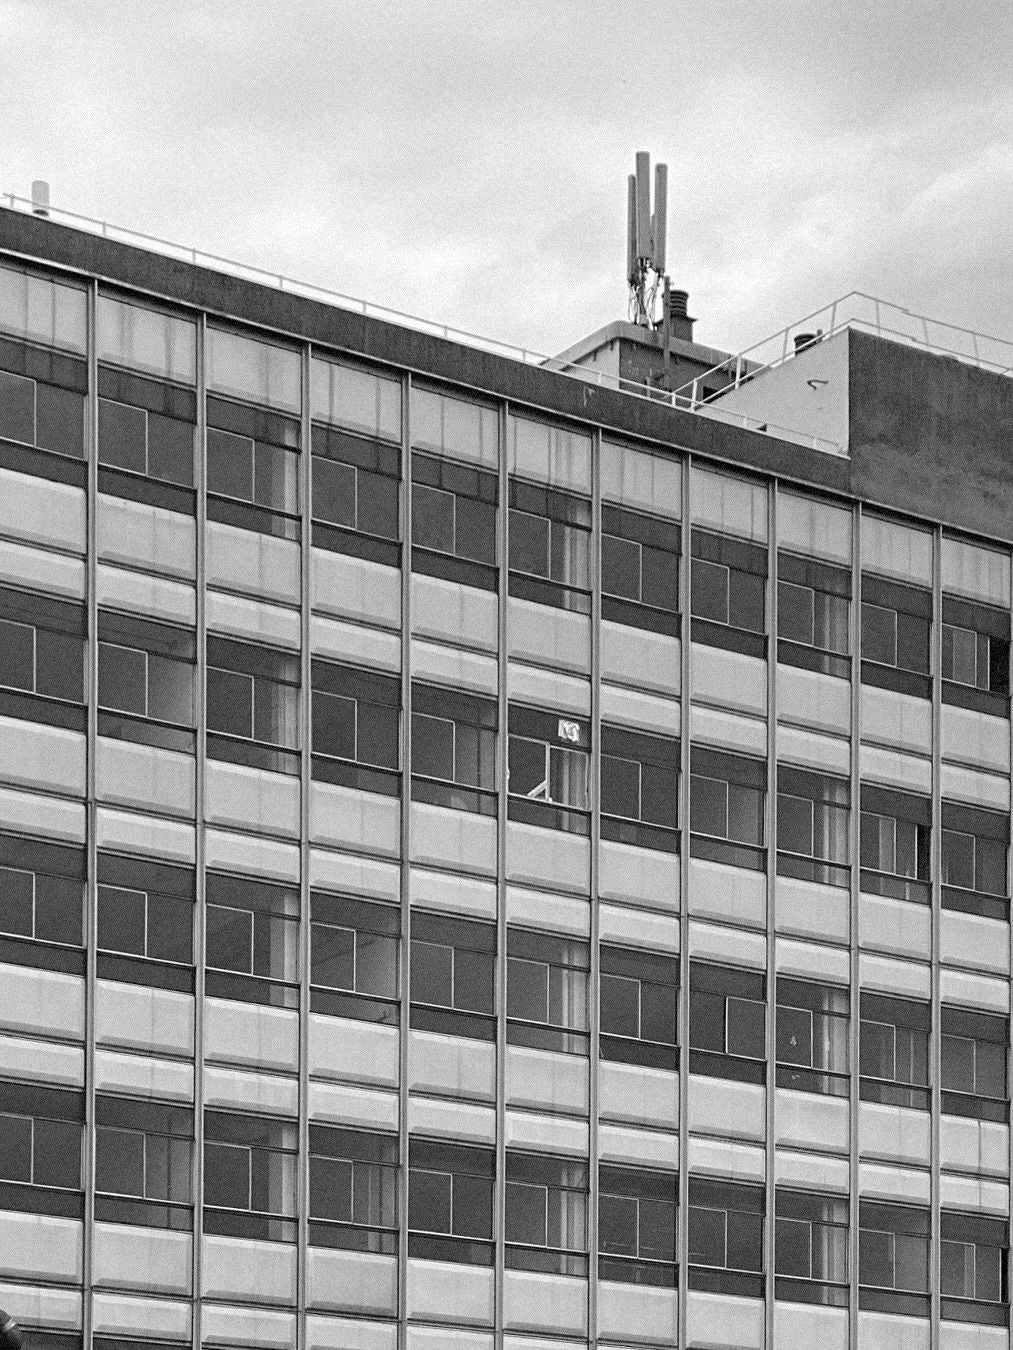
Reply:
x=146, y=439
x=639, y=994
x=355, y=398
x=550, y=546
x=252, y=705
x=811, y=1248
x=42, y=904
x=248, y=368
x=250, y=1176
x=146, y=682
x=813, y=615
x=42, y=397
x=42, y=309
x=450, y=1188
x=896, y=622
x=454, y=521
x=143, y=1153
x=895, y=844
x=353, y=1190
x=356, y=727
x=640, y=570
x=812, y=1037
x=893, y=1258
x=145, y=922
x=636, y=1226
x=252, y=940
x=354, y=948
x=976, y=656
x=975, y=846
x=973, y=1050
x=725, y=1237
x=546, y=1213
x=894, y=1053
x=40, y=1149
x=640, y=789
x=454, y=749
x=143, y=339
x=453, y=976
x=547, y=984
x=253, y=468
x=548, y=776
x=42, y=656
x=728, y=588
x=727, y=1022
x=813, y=826
x=356, y=495
x=728, y=808
x=973, y=1257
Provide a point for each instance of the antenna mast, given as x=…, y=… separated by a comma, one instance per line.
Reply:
x=645, y=238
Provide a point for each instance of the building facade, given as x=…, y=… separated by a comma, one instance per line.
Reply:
x=487, y=859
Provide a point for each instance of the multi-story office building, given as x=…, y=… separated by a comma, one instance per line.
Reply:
x=488, y=859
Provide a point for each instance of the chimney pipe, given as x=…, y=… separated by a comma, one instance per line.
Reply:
x=40, y=197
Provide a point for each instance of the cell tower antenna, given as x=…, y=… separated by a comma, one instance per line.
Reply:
x=645, y=238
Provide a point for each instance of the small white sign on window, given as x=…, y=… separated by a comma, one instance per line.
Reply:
x=568, y=731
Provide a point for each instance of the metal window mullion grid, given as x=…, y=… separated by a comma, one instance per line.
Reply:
x=91, y=820
x=854, y=1026
x=771, y=920
x=685, y=716
x=594, y=899
x=305, y=775
x=936, y=855
x=502, y=755
x=405, y=869
x=200, y=794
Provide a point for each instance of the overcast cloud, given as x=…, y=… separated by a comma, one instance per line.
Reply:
x=466, y=160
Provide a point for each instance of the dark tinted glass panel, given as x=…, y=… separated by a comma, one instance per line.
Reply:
x=17, y=408
x=229, y=702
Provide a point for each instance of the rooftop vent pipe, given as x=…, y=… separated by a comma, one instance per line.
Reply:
x=40, y=197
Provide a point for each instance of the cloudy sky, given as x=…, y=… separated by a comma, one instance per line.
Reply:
x=466, y=160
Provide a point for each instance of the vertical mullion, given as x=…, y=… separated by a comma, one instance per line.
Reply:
x=405, y=871
x=854, y=1026
x=91, y=819
x=200, y=873
x=935, y=1039
x=771, y=970
x=594, y=898
x=685, y=717
x=306, y=723
x=502, y=744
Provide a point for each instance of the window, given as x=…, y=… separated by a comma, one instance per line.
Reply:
x=454, y=749
x=974, y=1064
x=547, y=980
x=636, y=1226
x=726, y=1237
x=356, y=461
x=252, y=941
x=353, y=1190
x=454, y=521
x=548, y=773
x=811, y=1248
x=546, y=1213
x=550, y=543
x=975, y=845
x=450, y=1202
x=145, y=922
x=146, y=682
x=976, y=654
x=973, y=1260
x=813, y=820
x=252, y=705
x=894, y=1051
x=41, y=904
x=640, y=570
x=728, y=808
x=354, y=958
x=895, y=833
x=140, y=338
x=727, y=1022
x=356, y=728
x=896, y=621
x=143, y=1152
x=728, y=587
x=43, y=310
x=639, y=994
x=250, y=1176
x=812, y=1037
x=146, y=435
x=453, y=976
x=40, y=1149
x=813, y=615
x=893, y=1258
x=455, y=427
x=259, y=372
x=640, y=789
x=252, y=468
x=42, y=648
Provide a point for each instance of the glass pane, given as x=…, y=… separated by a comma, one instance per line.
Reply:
x=793, y=1248
x=957, y=1064
x=526, y=1213
x=432, y=974
x=59, y=420
x=958, y=859
x=617, y=1225
x=17, y=655
x=659, y=578
x=42, y=310
x=657, y=1230
x=143, y=339
x=912, y=1261
x=878, y=1050
x=707, y=1021
x=709, y=582
x=59, y=671
x=122, y=436
x=659, y=795
x=745, y=814
x=347, y=396
x=331, y=1189
x=527, y=989
x=170, y=929
x=620, y=1006
x=17, y=902
x=57, y=1153
x=990, y=866
x=475, y=530
x=620, y=787
x=429, y=1201
x=229, y=939
x=377, y=735
x=170, y=449
x=906, y=860
x=912, y=643
x=794, y=1036
x=334, y=492
x=432, y=518
x=708, y=806
x=256, y=371
x=795, y=610
x=620, y=567
x=122, y=679
x=58, y=909
x=875, y=1259
x=378, y=503
x=170, y=690
x=990, y=1069
x=122, y=920
x=15, y=1148
x=472, y=1206
x=988, y=1267
x=230, y=464
x=746, y=1028
x=272, y=1182
x=226, y=1176
x=432, y=746
x=333, y=725
x=747, y=600
x=528, y=770
x=229, y=702
x=332, y=958
x=376, y=965
x=831, y=615
x=17, y=408
x=795, y=824
x=879, y=634
x=745, y=1241
x=658, y=1012
x=119, y=1161
x=276, y=478
x=275, y=712
x=167, y=1169
x=474, y=981
x=529, y=543
x=707, y=1236
x=568, y=555
x=568, y=777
